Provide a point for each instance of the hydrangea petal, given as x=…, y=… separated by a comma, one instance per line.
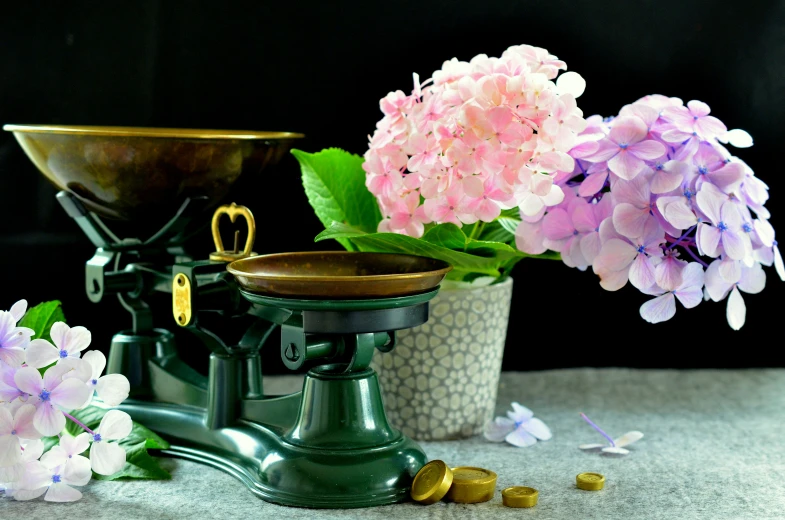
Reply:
x=615, y=255
x=107, y=458
x=497, y=429
x=728, y=178
x=12, y=356
x=29, y=380
x=529, y=238
x=520, y=413
x=733, y=245
x=571, y=83
x=667, y=274
x=97, y=362
x=113, y=389
x=642, y=273
x=628, y=130
x=752, y=280
x=765, y=231
x=647, y=150
x=613, y=280
x=736, y=310
x=23, y=422
x=18, y=310
x=592, y=184
x=779, y=266
x=10, y=450
x=698, y=108
x=6, y=421
x=521, y=438
x=115, y=425
x=626, y=165
x=590, y=246
x=591, y=446
x=78, y=471
x=665, y=181
x=628, y=438
x=537, y=428
x=662, y=308
x=630, y=220
x=716, y=286
x=56, y=456
x=58, y=333
x=710, y=203
x=738, y=138
x=62, y=492
x=677, y=213
x=77, y=339
x=70, y=394
x=555, y=196
x=730, y=270
x=710, y=127
x=708, y=239
x=40, y=353
x=47, y=420
x=616, y=450
x=29, y=494
x=557, y=224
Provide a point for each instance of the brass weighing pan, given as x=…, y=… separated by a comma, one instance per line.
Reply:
x=144, y=174
x=338, y=274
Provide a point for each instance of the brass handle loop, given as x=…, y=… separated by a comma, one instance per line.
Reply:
x=233, y=211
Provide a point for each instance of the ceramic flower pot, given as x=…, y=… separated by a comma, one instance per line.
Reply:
x=440, y=381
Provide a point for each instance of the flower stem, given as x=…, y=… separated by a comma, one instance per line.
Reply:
x=583, y=415
x=85, y=428
x=477, y=229
x=677, y=242
x=693, y=255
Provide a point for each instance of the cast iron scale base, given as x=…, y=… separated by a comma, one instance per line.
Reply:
x=329, y=446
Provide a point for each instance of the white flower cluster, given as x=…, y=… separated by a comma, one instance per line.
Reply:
x=34, y=406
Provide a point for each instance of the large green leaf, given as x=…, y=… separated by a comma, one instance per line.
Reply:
x=41, y=318
x=334, y=183
x=462, y=263
x=446, y=235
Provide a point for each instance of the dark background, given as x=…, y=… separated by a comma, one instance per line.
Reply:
x=320, y=68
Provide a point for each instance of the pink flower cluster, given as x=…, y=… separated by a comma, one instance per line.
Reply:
x=33, y=406
x=661, y=203
x=477, y=138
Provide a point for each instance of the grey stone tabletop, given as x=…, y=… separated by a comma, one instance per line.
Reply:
x=714, y=448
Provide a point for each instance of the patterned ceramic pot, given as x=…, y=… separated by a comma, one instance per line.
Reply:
x=441, y=379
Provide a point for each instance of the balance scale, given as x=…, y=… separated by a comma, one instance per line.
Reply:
x=328, y=446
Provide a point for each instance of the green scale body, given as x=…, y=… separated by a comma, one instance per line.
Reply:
x=329, y=446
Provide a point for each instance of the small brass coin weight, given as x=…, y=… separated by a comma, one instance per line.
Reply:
x=471, y=485
x=590, y=481
x=431, y=482
x=519, y=496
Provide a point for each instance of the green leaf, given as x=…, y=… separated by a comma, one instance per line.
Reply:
x=395, y=243
x=446, y=235
x=138, y=462
x=508, y=223
x=334, y=183
x=138, y=465
x=41, y=318
x=494, y=232
x=511, y=213
x=50, y=442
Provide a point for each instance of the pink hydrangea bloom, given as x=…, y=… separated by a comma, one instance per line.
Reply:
x=478, y=138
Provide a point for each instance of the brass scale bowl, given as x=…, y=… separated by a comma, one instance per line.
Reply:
x=142, y=175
